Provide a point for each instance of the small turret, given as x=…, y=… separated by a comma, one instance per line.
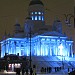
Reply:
x=17, y=27
x=57, y=26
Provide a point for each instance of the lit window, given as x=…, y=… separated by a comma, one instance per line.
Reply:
x=42, y=13
x=42, y=18
x=39, y=17
x=39, y=12
x=32, y=13
x=35, y=12
x=35, y=17
x=32, y=18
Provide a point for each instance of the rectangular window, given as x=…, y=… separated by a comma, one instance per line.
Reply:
x=42, y=18
x=39, y=17
x=32, y=18
x=35, y=17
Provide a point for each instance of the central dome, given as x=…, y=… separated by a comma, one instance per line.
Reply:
x=33, y=2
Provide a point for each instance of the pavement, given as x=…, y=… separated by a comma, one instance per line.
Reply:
x=7, y=73
x=14, y=73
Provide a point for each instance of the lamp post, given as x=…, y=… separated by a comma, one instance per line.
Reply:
x=62, y=62
x=5, y=46
x=30, y=53
x=30, y=47
x=68, y=23
x=68, y=19
x=28, y=30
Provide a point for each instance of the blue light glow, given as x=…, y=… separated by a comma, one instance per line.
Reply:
x=40, y=46
x=60, y=49
x=35, y=12
x=32, y=18
x=39, y=17
x=39, y=12
x=42, y=18
x=35, y=17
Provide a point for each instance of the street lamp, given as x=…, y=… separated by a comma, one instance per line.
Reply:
x=30, y=47
x=68, y=19
x=68, y=22
x=28, y=30
x=30, y=35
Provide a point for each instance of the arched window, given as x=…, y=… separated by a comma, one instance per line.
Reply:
x=39, y=12
x=35, y=12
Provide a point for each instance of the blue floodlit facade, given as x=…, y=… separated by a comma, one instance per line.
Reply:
x=40, y=46
x=45, y=40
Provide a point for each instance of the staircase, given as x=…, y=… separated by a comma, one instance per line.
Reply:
x=51, y=61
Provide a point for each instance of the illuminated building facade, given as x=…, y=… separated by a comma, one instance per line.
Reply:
x=45, y=40
x=40, y=46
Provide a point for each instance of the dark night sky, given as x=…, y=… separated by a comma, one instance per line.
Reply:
x=12, y=10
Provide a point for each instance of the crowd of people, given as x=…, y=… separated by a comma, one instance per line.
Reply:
x=56, y=69
x=46, y=69
x=49, y=69
x=26, y=71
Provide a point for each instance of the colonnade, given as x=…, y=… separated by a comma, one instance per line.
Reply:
x=40, y=46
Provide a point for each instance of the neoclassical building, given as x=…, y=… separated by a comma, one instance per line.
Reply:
x=37, y=37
